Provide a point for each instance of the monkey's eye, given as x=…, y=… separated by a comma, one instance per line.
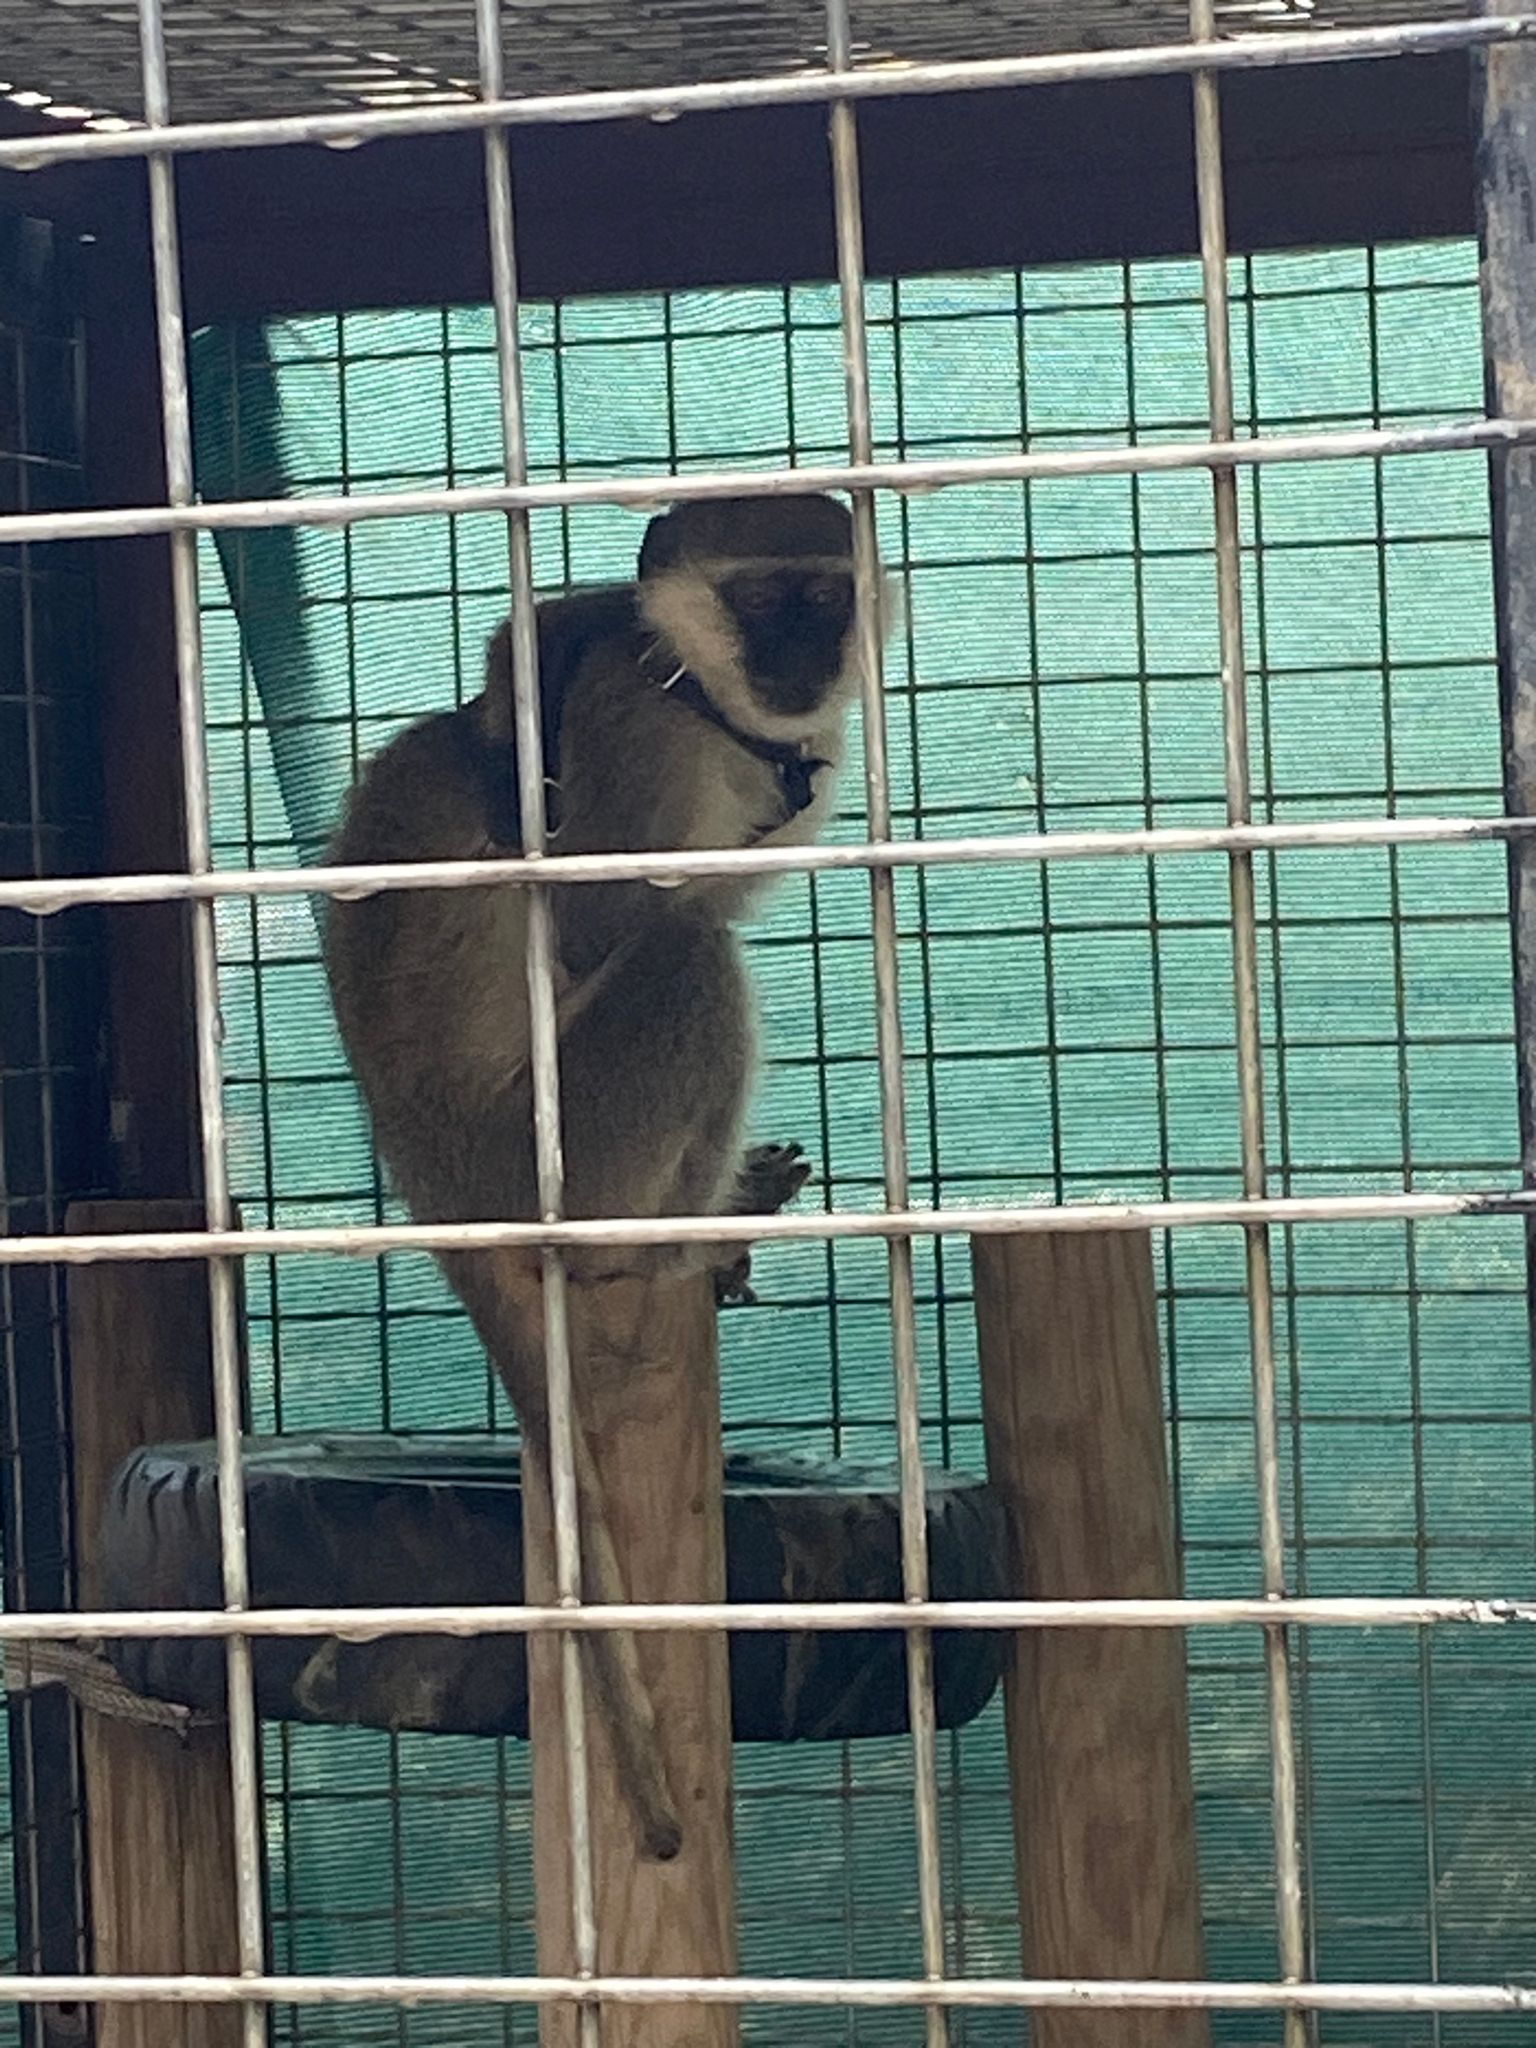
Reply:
x=827, y=592
x=755, y=597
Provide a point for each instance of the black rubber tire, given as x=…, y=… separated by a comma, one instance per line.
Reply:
x=370, y=1521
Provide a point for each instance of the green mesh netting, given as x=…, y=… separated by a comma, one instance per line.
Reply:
x=1069, y=1034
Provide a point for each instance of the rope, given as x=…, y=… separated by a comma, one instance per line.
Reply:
x=93, y=1683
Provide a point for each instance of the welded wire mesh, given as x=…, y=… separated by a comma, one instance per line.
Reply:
x=50, y=1003
x=1090, y=674
x=1009, y=982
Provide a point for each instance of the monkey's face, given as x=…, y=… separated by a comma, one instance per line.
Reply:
x=755, y=597
x=794, y=622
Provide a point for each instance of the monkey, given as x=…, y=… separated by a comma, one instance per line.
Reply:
x=702, y=705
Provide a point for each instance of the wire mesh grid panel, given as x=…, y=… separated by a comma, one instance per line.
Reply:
x=1071, y=661
x=1069, y=1029
x=50, y=1007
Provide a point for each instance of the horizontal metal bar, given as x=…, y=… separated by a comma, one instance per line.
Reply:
x=820, y=1617
x=656, y=489
x=1110, y=1993
x=45, y=897
x=813, y=86
x=369, y=1240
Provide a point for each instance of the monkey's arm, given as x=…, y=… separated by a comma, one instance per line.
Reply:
x=630, y=772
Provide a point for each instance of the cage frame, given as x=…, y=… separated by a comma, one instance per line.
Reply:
x=171, y=512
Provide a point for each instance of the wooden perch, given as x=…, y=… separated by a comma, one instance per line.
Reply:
x=645, y=1368
x=1097, y=1719
x=158, y=1814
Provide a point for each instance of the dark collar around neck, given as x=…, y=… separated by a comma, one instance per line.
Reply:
x=492, y=763
x=791, y=760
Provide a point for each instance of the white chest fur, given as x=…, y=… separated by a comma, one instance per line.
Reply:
x=740, y=800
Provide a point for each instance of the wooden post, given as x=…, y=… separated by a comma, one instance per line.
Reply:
x=158, y=1817
x=647, y=1376
x=1504, y=103
x=1097, y=1719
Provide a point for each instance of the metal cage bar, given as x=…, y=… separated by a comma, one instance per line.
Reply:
x=654, y=489
x=876, y=1993
x=43, y=1838
x=354, y=1624
x=367, y=1240
x=181, y=518
x=223, y=1274
x=813, y=86
x=1210, y=187
x=544, y=1048
x=42, y=898
x=848, y=210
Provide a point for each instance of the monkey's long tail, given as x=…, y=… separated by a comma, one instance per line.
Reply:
x=614, y=1657
x=502, y=1297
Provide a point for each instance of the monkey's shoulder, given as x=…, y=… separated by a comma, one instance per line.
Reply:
x=420, y=797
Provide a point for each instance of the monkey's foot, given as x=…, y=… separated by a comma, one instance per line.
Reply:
x=770, y=1177
x=734, y=1282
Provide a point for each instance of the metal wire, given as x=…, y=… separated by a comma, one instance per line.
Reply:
x=43, y=898
x=660, y=488
x=41, y=1542
x=1104, y=1994
x=370, y=1624
x=544, y=1048
x=1211, y=200
x=368, y=1240
x=916, y=1615
x=813, y=86
x=848, y=210
x=223, y=1274
x=873, y=1991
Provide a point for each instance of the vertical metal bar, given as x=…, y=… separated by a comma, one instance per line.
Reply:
x=1210, y=186
x=1421, y=1542
x=1505, y=101
x=957, y=1917
x=46, y=1839
x=1282, y=1100
x=848, y=208
x=244, y=1756
x=543, y=1033
x=823, y=1105
x=1163, y=1244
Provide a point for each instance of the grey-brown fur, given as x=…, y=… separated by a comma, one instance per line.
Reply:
x=656, y=1017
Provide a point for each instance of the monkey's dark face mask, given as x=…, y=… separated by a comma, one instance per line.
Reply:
x=795, y=624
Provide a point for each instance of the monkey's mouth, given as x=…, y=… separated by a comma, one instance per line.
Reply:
x=798, y=683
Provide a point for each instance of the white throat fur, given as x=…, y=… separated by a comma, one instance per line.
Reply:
x=682, y=607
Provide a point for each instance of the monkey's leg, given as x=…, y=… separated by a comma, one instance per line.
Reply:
x=503, y=1293
x=654, y=1078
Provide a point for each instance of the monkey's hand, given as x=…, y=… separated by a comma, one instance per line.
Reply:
x=770, y=1177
